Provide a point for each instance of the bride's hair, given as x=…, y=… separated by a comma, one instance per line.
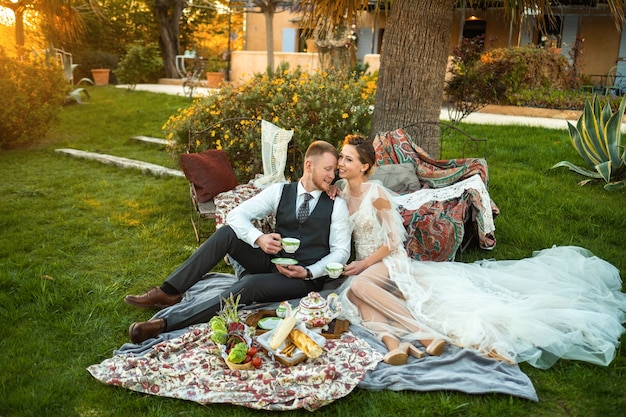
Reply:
x=364, y=148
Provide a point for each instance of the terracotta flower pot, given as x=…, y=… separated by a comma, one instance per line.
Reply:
x=101, y=76
x=214, y=79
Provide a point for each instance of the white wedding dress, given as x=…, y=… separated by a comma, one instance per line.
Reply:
x=562, y=302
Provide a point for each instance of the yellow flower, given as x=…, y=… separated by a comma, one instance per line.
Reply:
x=344, y=116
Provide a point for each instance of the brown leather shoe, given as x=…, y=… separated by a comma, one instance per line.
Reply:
x=138, y=332
x=154, y=299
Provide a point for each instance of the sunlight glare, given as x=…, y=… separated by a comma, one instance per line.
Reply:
x=7, y=18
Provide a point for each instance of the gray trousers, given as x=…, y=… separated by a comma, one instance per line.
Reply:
x=260, y=283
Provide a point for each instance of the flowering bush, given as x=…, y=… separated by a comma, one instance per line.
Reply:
x=33, y=94
x=525, y=76
x=515, y=69
x=317, y=106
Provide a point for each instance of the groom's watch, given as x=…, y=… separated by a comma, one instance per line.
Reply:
x=309, y=274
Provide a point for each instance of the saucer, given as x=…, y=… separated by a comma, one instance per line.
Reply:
x=284, y=261
x=269, y=323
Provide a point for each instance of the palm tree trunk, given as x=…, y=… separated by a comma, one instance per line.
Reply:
x=413, y=64
x=269, y=36
x=19, y=28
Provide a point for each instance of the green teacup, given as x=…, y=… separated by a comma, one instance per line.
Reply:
x=290, y=244
x=334, y=269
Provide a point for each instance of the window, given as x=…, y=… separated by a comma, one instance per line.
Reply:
x=474, y=27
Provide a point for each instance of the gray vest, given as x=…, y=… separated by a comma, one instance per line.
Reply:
x=314, y=234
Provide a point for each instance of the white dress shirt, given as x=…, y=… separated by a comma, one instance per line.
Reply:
x=266, y=202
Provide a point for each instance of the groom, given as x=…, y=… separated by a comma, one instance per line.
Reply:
x=302, y=210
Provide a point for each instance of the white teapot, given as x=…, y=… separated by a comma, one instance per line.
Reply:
x=316, y=312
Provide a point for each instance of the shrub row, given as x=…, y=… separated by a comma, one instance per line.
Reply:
x=525, y=76
x=317, y=106
x=32, y=94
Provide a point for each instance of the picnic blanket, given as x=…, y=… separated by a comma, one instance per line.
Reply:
x=183, y=364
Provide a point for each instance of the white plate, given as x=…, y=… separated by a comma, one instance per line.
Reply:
x=284, y=261
x=269, y=323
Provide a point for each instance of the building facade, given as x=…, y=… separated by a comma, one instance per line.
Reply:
x=584, y=32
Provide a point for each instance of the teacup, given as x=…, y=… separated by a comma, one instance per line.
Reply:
x=334, y=269
x=283, y=310
x=290, y=244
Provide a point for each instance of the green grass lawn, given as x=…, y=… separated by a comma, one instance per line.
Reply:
x=77, y=236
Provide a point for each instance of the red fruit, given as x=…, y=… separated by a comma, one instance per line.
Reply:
x=252, y=350
x=256, y=362
x=248, y=358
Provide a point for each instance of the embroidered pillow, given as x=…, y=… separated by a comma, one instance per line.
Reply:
x=209, y=171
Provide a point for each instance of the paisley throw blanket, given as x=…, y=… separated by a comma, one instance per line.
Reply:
x=437, y=229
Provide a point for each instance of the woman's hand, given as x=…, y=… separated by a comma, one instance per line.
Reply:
x=333, y=191
x=355, y=268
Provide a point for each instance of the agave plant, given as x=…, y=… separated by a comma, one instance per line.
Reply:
x=597, y=138
x=77, y=96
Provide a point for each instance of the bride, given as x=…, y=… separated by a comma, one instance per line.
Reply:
x=561, y=303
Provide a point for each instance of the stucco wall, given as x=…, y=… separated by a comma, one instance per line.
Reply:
x=245, y=64
x=601, y=46
x=373, y=60
x=255, y=30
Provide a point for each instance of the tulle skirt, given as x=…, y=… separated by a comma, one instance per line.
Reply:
x=562, y=302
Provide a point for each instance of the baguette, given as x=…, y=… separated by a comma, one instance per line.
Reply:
x=282, y=331
x=305, y=344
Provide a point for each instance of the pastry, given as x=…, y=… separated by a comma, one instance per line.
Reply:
x=282, y=331
x=305, y=344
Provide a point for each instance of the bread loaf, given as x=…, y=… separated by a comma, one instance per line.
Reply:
x=305, y=344
x=282, y=331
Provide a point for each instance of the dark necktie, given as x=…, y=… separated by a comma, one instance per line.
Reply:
x=303, y=210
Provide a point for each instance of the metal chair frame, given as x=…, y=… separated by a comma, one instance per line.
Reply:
x=447, y=130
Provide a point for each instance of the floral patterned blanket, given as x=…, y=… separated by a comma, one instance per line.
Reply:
x=189, y=367
x=183, y=364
